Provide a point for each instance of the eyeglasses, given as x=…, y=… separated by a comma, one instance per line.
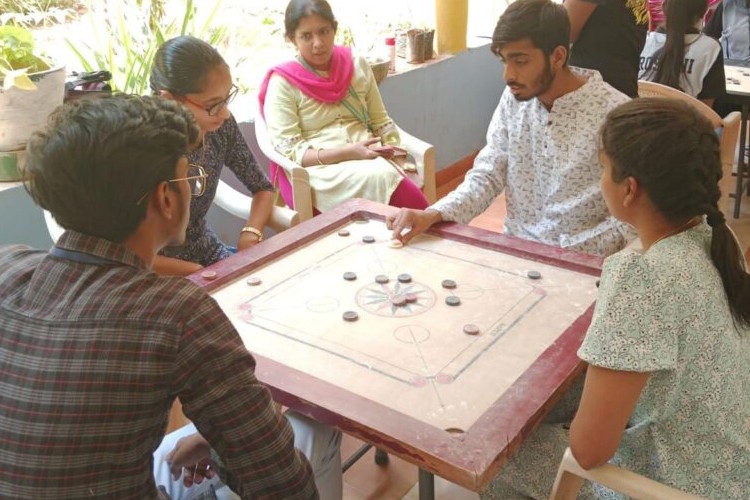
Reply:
x=214, y=109
x=196, y=177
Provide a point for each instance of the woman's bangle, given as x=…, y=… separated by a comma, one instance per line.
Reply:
x=252, y=230
x=317, y=157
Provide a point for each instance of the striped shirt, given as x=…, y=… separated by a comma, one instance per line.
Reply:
x=92, y=357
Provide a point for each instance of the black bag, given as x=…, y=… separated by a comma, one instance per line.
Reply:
x=89, y=84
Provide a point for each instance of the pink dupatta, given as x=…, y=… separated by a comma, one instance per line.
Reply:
x=326, y=90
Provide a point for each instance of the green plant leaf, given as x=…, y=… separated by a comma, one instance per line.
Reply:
x=84, y=62
x=125, y=43
x=17, y=50
x=17, y=78
x=210, y=19
x=189, y=13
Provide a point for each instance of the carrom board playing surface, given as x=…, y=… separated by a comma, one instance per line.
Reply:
x=443, y=369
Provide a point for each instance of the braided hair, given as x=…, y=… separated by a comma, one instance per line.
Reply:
x=674, y=154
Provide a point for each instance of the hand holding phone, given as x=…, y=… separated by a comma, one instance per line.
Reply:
x=389, y=151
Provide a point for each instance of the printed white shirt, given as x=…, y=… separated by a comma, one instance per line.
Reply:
x=547, y=163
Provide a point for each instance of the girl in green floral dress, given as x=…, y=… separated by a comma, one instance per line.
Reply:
x=666, y=391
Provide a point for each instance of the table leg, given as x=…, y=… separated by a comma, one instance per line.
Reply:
x=426, y=485
x=739, y=187
x=354, y=457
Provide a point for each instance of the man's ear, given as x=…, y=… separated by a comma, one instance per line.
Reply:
x=166, y=94
x=164, y=201
x=559, y=56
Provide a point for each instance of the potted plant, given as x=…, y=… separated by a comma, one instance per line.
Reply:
x=30, y=89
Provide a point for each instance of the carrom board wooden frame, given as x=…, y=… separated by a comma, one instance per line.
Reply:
x=470, y=459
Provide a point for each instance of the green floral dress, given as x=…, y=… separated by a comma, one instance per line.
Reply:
x=664, y=312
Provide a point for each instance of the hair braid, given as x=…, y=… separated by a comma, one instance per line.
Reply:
x=674, y=154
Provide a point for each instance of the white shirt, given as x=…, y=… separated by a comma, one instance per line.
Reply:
x=547, y=163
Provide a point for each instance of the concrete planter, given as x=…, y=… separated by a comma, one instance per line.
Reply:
x=24, y=111
x=10, y=166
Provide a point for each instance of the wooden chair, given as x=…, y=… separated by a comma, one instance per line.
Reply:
x=570, y=477
x=729, y=125
x=423, y=153
x=227, y=198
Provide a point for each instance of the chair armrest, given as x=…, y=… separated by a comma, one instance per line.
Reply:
x=238, y=204
x=298, y=176
x=729, y=134
x=299, y=179
x=424, y=156
x=615, y=478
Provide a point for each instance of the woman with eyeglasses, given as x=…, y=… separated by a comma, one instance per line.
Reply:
x=324, y=112
x=193, y=73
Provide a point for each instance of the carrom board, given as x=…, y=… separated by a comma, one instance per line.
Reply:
x=407, y=376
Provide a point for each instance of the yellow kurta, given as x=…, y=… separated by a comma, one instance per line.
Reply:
x=297, y=122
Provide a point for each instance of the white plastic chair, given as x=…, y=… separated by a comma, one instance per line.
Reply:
x=228, y=198
x=730, y=126
x=570, y=477
x=238, y=204
x=423, y=153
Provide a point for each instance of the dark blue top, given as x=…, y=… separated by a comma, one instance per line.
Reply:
x=225, y=146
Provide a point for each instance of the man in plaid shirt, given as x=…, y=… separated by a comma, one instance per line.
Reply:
x=94, y=347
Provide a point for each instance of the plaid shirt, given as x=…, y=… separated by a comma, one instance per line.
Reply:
x=91, y=359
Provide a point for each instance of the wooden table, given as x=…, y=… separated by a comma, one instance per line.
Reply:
x=407, y=378
x=737, y=75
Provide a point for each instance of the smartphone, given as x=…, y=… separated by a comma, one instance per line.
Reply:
x=390, y=151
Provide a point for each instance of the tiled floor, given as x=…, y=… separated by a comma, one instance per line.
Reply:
x=398, y=479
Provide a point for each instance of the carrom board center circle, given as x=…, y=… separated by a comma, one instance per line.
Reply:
x=377, y=298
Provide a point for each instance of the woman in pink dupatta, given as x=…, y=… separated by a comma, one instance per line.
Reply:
x=324, y=112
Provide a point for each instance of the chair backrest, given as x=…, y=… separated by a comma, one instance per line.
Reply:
x=297, y=175
x=728, y=128
x=652, y=89
x=570, y=477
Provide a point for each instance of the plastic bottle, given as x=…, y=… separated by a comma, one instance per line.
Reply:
x=390, y=43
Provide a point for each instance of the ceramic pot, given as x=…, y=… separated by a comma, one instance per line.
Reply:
x=24, y=111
